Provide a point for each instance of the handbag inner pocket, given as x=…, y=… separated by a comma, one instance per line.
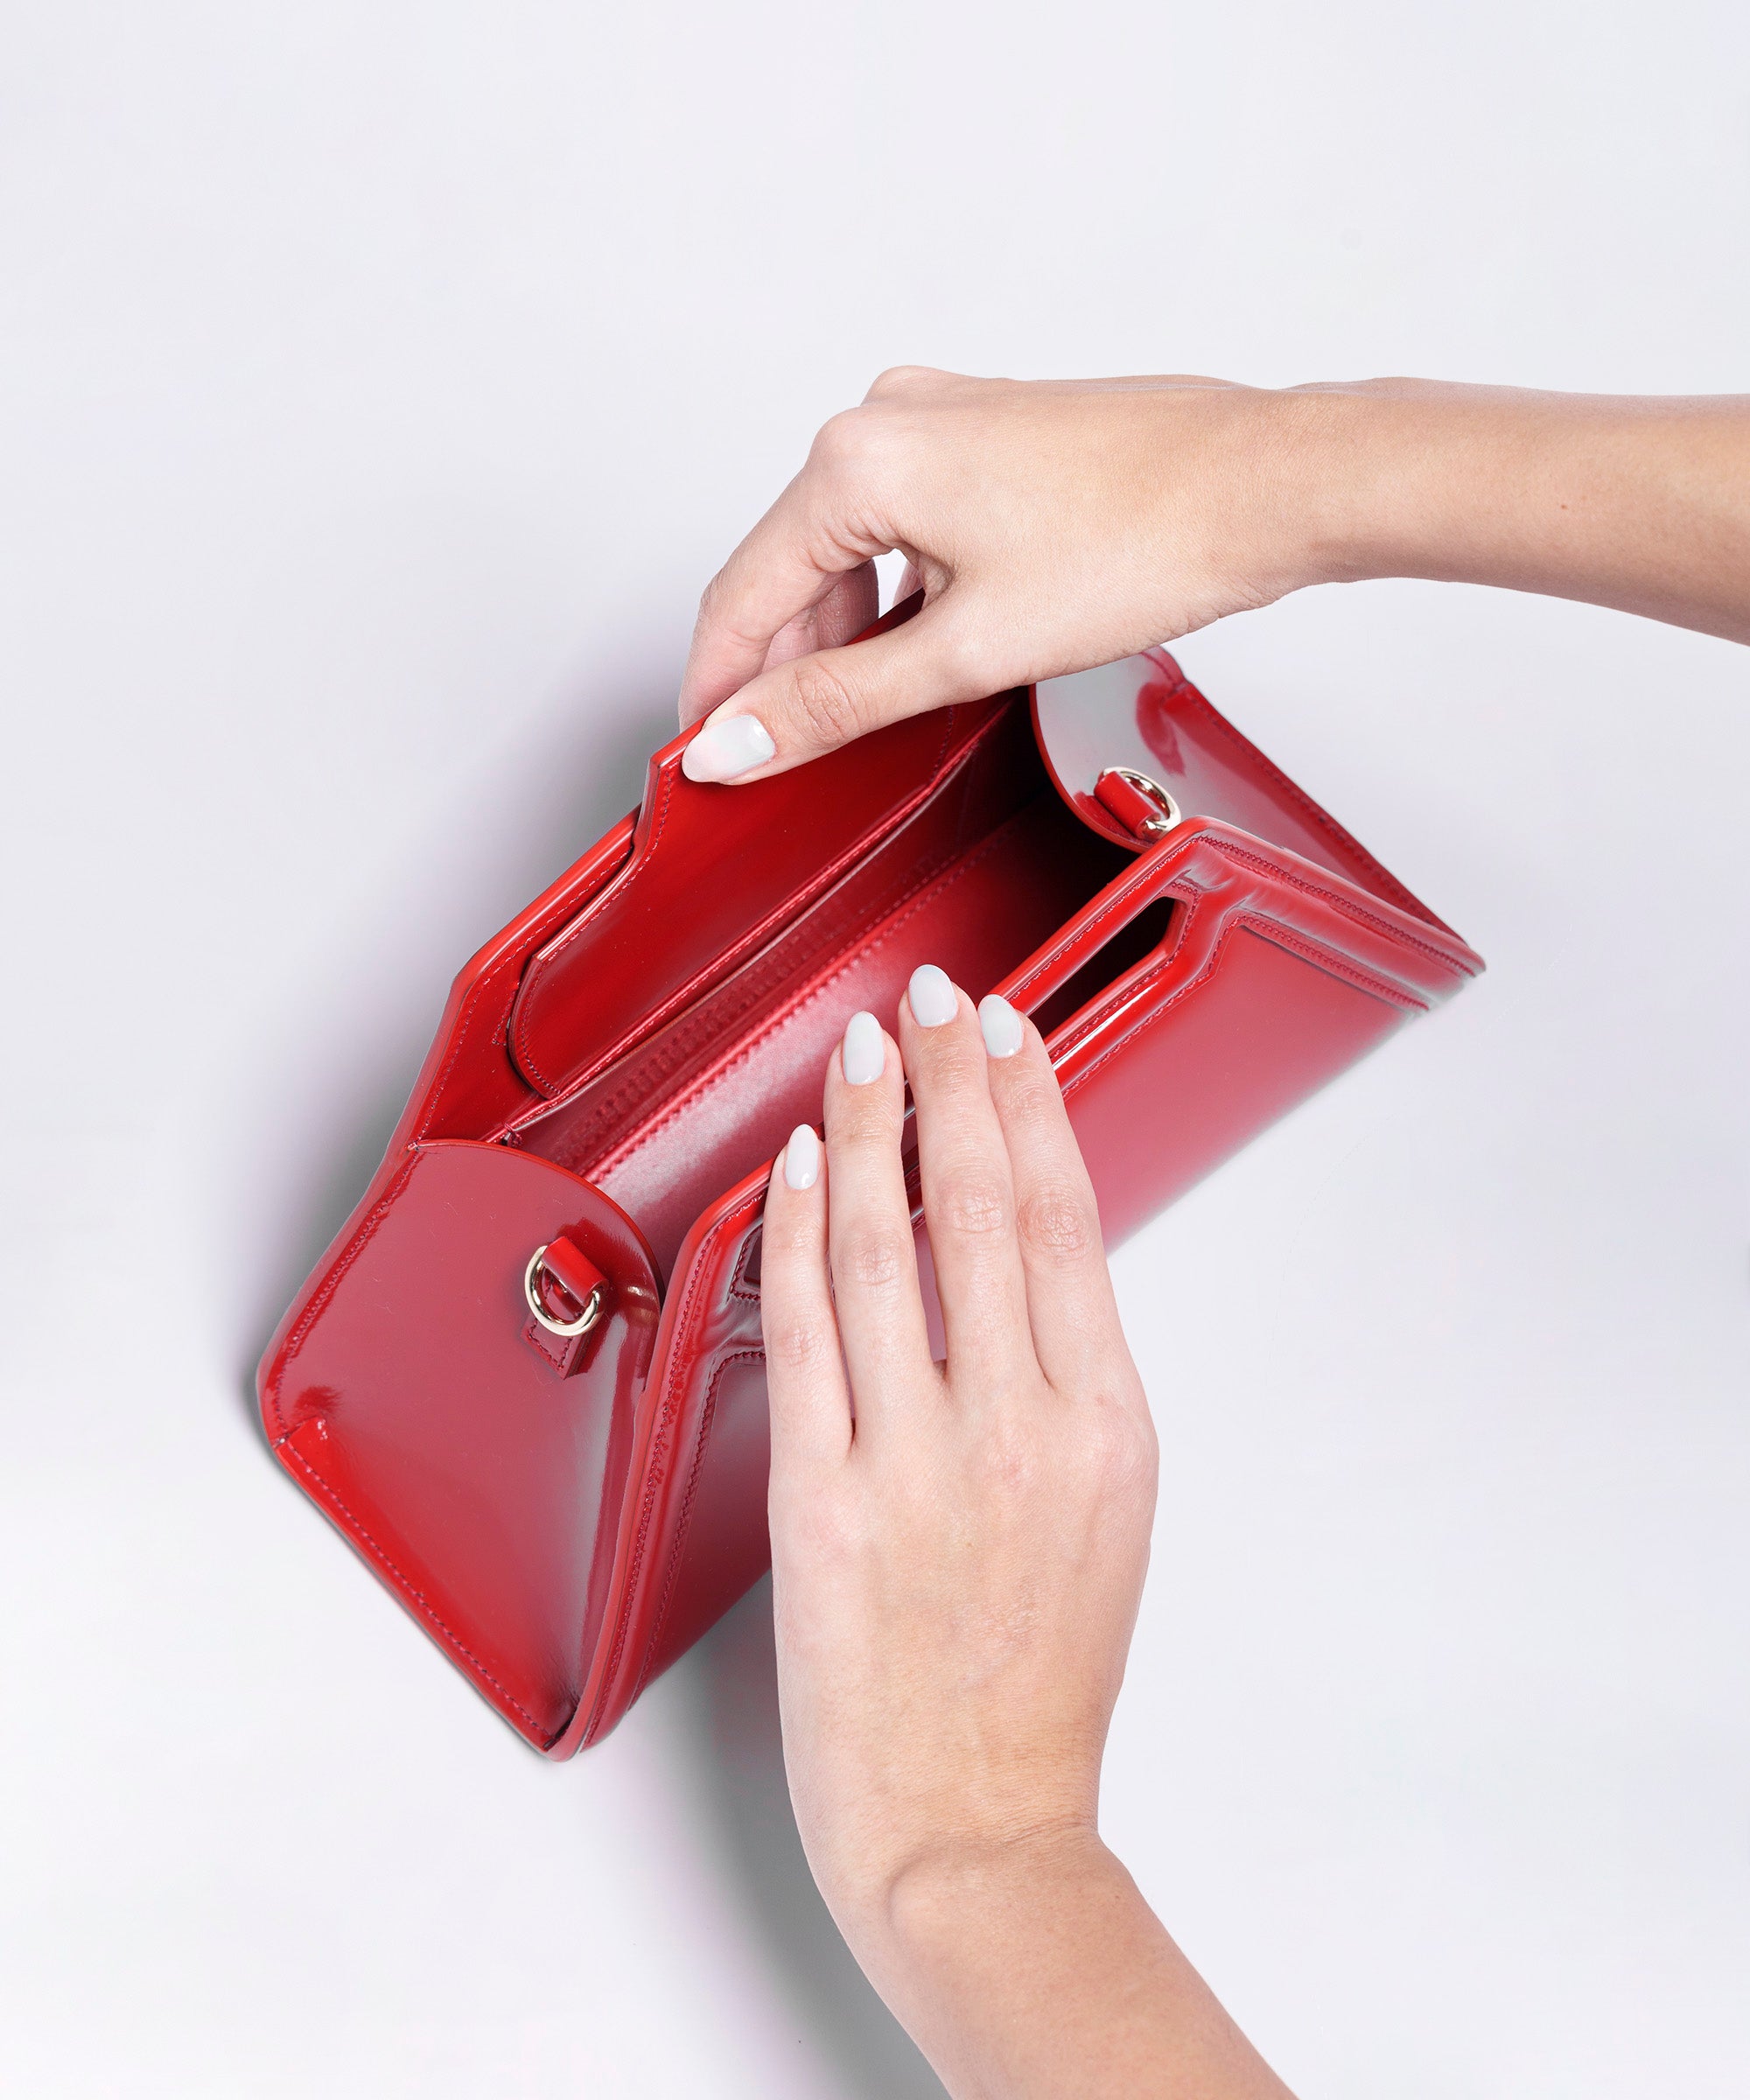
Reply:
x=975, y=880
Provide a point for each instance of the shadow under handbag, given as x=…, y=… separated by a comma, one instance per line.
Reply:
x=526, y=1381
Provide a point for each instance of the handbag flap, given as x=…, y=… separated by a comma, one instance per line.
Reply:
x=1144, y=713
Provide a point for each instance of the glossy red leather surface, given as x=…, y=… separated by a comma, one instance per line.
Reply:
x=412, y=1400
x=565, y=1517
x=730, y=870
x=1143, y=712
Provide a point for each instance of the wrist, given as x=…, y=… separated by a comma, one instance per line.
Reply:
x=1374, y=470
x=922, y=1909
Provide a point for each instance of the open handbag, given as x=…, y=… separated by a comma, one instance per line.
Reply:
x=526, y=1380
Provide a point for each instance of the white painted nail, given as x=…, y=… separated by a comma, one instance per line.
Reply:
x=802, y=1158
x=864, y=1055
x=932, y=997
x=1000, y=1026
x=727, y=747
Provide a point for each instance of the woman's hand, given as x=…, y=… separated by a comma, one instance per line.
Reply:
x=1057, y=524
x=1053, y=525
x=958, y=1550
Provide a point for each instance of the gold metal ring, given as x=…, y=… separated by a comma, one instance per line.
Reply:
x=1154, y=827
x=591, y=1313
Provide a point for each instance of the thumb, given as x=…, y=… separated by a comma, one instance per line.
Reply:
x=794, y=712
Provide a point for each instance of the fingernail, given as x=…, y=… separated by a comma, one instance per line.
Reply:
x=727, y=747
x=865, y=1055
x=932, y=997
x=1000, y=1026
x=802, y=1158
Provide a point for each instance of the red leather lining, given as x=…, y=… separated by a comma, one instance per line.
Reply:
x=978, y=876
x=714, y=873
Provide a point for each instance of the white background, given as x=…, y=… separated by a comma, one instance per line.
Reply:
x=381, y=384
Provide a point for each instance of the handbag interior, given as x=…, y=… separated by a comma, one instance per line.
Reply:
x=985, y=871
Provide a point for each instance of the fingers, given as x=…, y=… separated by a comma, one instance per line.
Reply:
x=804, y=1369
x=827, y=523
x=1071, y=1309
x=872, y=1257
x=796, y=710
x=969, y=1189
x=852, y=603
x=768, y=665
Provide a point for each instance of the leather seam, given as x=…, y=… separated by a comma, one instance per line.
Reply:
x=331, y=1282
x=1248, y=921
x=707, y=1417
x=668, y=1412
x=1350, y=845
x=464, y=1024
x=588, y=918
x=816, y=886
x=1260, y=865
x=1450, y=963
x=788, y=1012
x=749, y=1296
x=1092, y=1015
x=1378, y=986
x=410, y=1595
x=606, y=1111
x=1136, y=891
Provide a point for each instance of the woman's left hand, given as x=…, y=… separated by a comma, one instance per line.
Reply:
x=958, y=1552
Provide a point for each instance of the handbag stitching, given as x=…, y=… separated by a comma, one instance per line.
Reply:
x=1394, y=889
x=670, y=1409
x=1451, y=963
x=706, y=1418
x=1113, y=997
x=1267, y=928
x=589, y=916
x=751, y=1296
x=888, y=820
x=415, y=1597
x=1327, y=959
x=1133, y=890
x=331, y=1283
x=749, y=939
x=608, y=1111
x=464, y=1025
x=788, y=1012
x=1343, y=904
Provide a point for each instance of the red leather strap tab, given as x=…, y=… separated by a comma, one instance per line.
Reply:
x=1129, y=804
x=574, y=1272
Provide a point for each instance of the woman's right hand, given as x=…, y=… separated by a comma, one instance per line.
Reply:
x=1057, y=524
x=1052, y=524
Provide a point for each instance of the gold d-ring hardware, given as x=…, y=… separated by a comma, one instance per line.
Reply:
x=591, y=1313
x=1168, y=812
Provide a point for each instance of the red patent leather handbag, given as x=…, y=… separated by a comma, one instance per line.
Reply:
x=526, y=1381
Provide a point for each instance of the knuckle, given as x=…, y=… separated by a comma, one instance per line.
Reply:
x=959, y=652
x=1119, y=1447
x=951, y=1059
x=975, y=1202
x=872, y=1258
x=902, y=379
x=826, y=708
x=1032, y=1098
x=795, y=1345
x=840, y=440
x=1056, y=1222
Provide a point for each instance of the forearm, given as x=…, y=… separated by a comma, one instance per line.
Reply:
x=1036, y=1972
x=1640, y=504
